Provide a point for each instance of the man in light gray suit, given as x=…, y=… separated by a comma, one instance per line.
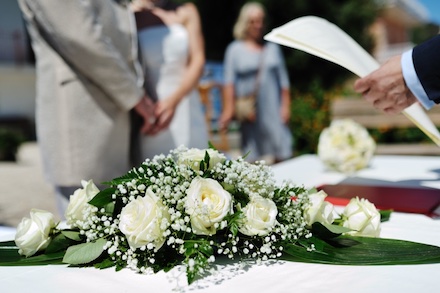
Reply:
x=88, y=81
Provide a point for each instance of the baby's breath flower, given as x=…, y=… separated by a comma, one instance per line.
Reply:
x=176, y=224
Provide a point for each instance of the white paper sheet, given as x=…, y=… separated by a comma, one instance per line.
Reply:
x=322, y=38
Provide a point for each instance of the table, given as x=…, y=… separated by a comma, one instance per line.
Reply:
x=274, y=276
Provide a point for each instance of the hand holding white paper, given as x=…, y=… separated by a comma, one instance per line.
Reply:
x=322, y=38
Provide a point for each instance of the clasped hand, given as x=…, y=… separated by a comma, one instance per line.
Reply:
x=156, y=116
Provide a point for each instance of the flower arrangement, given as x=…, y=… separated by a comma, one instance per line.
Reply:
x=345, y=146
x=193, y=206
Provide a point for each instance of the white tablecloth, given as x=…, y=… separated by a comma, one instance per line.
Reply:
x=275, y=276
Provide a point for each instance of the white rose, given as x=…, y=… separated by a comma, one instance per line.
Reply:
x=362, y=217
x=79, y=201
x=192, y=158
x=345, y=146
x=207, y=203
x=33, y=234
x=259, y=217
x=144, y=220
x=319, y=210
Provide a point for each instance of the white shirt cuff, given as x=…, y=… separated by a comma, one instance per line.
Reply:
x=412, y=80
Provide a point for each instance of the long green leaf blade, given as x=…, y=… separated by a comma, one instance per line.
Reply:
x=11, y=257
x=366, y=251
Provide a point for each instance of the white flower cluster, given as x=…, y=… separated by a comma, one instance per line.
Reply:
x=345, y=146
x=187, y=208
x=360, y=216
x=193, y=204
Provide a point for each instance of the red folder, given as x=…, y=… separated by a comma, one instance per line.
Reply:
x=400, y=199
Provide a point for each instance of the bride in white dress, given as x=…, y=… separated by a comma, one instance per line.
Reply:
x=172, y=55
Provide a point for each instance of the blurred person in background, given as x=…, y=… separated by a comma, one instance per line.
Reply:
x=252, y=65
x=88, y=81
x=172, y=55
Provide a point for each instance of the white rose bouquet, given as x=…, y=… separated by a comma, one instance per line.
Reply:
x=192, y=206
x=345, y=146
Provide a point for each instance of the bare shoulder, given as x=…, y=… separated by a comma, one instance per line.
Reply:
x=187, y=12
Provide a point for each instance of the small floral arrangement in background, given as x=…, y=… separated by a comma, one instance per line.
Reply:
x=346, y=146
x=193, y=206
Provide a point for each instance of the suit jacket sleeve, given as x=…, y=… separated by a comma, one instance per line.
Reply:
x=426, y=58
x=75, y=29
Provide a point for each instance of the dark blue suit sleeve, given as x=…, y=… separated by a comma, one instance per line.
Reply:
x=426, y=58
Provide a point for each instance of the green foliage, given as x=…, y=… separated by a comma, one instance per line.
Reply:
x=385, y=215
x=233, y=222
x=59, y=243
x=401, y=135
x=103, y=198
x=84, y=253
x=9, y=256
x=421, y=33
x=347, y=250
x=204, y=164
x=73, y=235
x=310, y=115
x=328, y=231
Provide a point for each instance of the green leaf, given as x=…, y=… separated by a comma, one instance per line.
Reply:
x=211, y=146
x=336, y=228
x=9, y=252
x=103, y=198
x=202, y=166
x=385, y=215
x=366, y=251
x=189, y=248
x=326, y=231
x=7, y=243
x=207, y=159
x=228, y=187
x=106, y=263
x=59, y=243
x=74, y=235
x=190, y=277
x=312, y=190
x=206, y=249
x=246, y=154
x=85, y=252
x=11, y=257
x=234, y=228
x=110, y=208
